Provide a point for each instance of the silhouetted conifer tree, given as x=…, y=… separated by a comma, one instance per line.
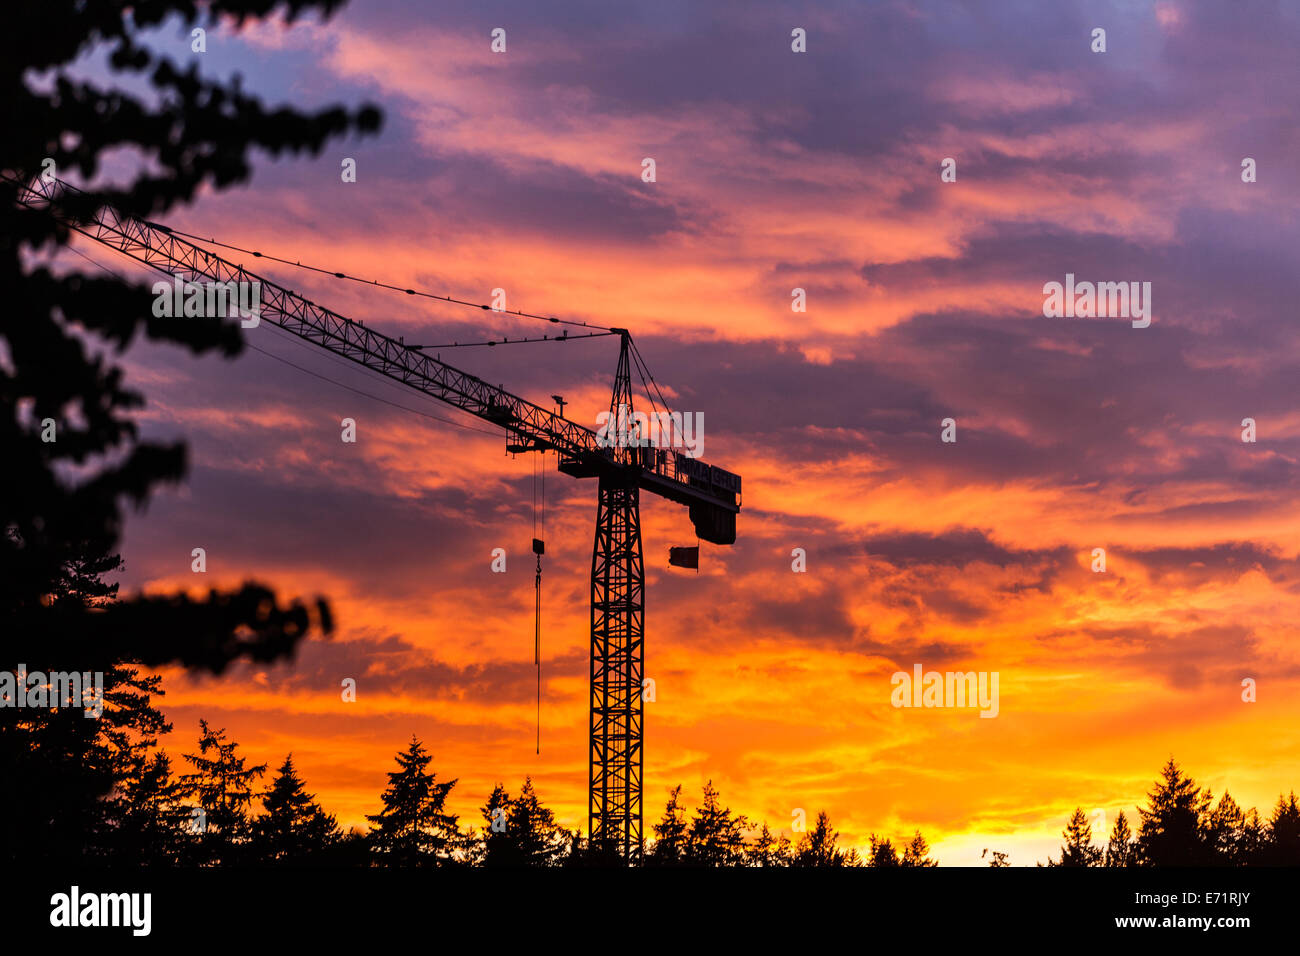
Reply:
x=525, y=834
x=541, y=841
x=222, y=789
x=670, y=833
x=917, y=853
x=73, y=770
x=769, y=850
x=1283, y=835
x=817, y=847
x=1121, y=848
x=882, y=854
x=1232, y=836
x=497, y=848
x=151, y=817
x=716, y=836
x=292, y=828
x=1078, y=849
x=413, y=829
x=1171, y=829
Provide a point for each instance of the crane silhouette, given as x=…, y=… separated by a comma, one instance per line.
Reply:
x=622, y=470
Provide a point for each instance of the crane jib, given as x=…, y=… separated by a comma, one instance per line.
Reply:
x=712, y=493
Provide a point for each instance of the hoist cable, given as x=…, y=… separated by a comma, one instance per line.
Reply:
x=373, y=282
x=506, y=341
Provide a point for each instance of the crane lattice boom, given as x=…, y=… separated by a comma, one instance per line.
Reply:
x=712, y=493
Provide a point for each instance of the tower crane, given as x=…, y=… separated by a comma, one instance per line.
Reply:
x=616, y=753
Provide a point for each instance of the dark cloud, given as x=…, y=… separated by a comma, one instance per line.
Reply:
x=391, y=665
x=819, y=616
x=1185, y=659
x=956, y=548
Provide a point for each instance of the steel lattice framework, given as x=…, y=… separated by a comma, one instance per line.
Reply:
x=617, y=668
x=617, y=571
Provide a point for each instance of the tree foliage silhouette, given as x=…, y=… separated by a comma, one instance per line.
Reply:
x=292, y=828
x=670, y=833
x=1170, y=833
x=222, y=789
x=496, y=847
x=917, y=853
x=193, y=133
x=882, y=854
x=716, y=836
x=1232, y=837
x=63, y=500
x=1284, y=833
x=769, y=850
x=1121, y=848
x=413, y=829
x=817, y=847
x=1182, y=825
x=521, y=832
x=74, y=773
x=1078, y=849
x=153, y=816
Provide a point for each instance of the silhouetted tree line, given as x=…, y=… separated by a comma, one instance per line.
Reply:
x=1181, y=825
x=715, y=836
x=206, y=817
x=101, y=790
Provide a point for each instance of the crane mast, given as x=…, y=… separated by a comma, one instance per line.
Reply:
x=712, y=494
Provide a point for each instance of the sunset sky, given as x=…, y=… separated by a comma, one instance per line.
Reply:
x=775, y=170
